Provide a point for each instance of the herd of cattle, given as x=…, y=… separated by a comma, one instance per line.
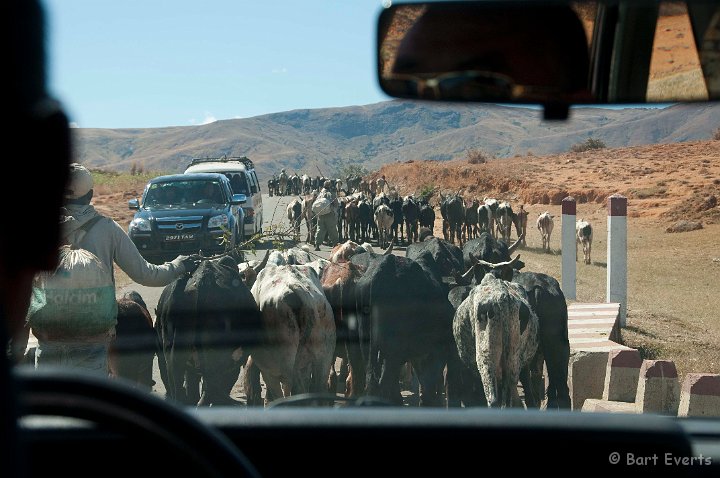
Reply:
x=362, y=214
x=284, y=184
x=466, y=320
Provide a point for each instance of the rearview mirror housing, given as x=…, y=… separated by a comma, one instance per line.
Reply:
x=134, y=204
x=484, y=51
x=555, y=53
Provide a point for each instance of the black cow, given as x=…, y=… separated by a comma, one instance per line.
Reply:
x=132, y=352
x=411, y=213
x=447, y=256
x=396, y=205
x=486, y=248
x=485, y=219
x=365, y=214
x=207, y=324
x=470, y=228
x=548, y=302
x=295, y=215
x=404, y=316
x=353, y=183
x=453, y=212
x=426, y=215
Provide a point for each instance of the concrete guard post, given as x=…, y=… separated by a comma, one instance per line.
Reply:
x=617, y=254
x=585, y=376
x=700, y=395
x=621, y=377
x=568, y=247
x=658, y=388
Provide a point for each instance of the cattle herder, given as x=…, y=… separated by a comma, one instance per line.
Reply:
x=325, y=209
x=82, y=225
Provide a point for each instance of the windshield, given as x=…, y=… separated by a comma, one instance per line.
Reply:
x=174, y=194
x=238, y=183
x=377, y=262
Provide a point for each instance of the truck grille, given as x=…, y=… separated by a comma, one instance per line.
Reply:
x=185, y=223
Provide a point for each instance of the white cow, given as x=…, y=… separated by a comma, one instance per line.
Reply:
x=496, y=334
x=343, y=252
x=492, y=204
x=545, y=226
x=584, y=234
x=384, y=219
x=300, y=328
x=503, y=217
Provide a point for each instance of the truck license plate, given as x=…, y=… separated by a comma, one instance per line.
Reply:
x=180, y=237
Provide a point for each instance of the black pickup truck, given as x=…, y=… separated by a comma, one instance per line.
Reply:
x=186, y=214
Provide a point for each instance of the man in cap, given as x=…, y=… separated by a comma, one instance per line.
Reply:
x=104, y=238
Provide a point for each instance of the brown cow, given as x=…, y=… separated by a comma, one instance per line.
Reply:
x=310, y=220
x=338, y=282
x=352, y=221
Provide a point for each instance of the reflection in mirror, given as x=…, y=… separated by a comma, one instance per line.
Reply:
x=675, y=72
x=484, y=52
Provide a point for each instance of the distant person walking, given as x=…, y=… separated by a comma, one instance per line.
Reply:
x=380, y=184
x=283, y=182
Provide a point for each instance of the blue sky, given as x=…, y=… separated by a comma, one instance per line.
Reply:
x=152, y=63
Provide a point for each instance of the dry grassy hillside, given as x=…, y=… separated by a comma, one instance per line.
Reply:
x=672, y=278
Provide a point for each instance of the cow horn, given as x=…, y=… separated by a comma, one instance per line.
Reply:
x=262, y=264
x=489, y=264
x=500, y=265
x=516, y=244
x=473, y=259
x=388, y=251
x=466, y=277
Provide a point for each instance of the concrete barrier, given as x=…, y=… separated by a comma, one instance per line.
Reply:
x=658, y=388
x=567, y=245
x=621, y=375
x=700, y=395
x=607, y=406
x=585, y=376
x=617, y=253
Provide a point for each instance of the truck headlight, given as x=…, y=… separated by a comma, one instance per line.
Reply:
x=218, y=221
x=140, y=225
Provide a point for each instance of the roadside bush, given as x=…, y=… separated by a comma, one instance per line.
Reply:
x=352, y=170
x=587, y=145
x=427, y=191
x=476, y=156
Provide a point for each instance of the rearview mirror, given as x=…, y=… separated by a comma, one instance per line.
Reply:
x=554, y=53
x=238, y=199
x=481, y=51
x=134, y=204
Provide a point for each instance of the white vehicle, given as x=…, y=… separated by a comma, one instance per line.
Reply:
x=243, y=180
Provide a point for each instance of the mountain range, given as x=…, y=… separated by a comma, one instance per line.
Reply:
x=325, y=140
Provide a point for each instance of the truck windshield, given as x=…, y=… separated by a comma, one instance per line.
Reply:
x=183, y=193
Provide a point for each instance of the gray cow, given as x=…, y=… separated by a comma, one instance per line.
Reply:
x=496, y=336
